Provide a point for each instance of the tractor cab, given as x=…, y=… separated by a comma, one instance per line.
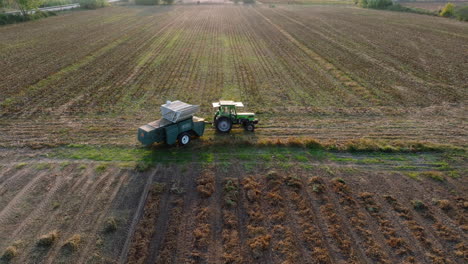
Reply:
x=227, y=115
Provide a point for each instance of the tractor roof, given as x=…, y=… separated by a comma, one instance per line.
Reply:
x=228, y=103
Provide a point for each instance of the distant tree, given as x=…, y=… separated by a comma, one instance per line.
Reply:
x=24, y=6
x=168, y=2
x=448, y=10
x=462, y=13
x=92, y=4
x=147, y=2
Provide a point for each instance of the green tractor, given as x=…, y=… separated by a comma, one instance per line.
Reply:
x=227, y=115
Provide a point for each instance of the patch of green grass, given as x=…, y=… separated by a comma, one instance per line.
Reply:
x=442, y=165
x=418, y=205
x=20, y=165
x=82, y=167
x=301, y=158
x=453, y=174
x=328, y=170
x=280, y=157
x=339, y=180
x=413, y=175
x=265, y=157
x=64, y=164
x=127, y=165
x=143, y=165
x=342, y=159
x=42, y=166
x=435, y=175
x=318, y=154
x=224, y=166
x=244, y=156
x=101, y=168
x=249, y=166
x=207, y=157
x=407, y=167
x=55, y=205
x=306, y=166
x=370, y=161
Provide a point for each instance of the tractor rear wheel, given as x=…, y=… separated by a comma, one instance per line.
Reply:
x=183, y=138
x=249, y=127
x=223, y=124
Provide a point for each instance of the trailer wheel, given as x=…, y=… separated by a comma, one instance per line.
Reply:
x=249, y=127
x=183, y=138
x=223, y=124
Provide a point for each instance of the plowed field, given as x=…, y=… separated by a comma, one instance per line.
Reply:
x=329, y=72
x=383, y=93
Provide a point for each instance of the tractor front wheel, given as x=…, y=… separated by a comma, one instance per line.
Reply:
x=223, y=124
x=249, y=127
x=184, y=138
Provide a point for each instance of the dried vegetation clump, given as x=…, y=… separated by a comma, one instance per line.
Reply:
x=110, y=225
x=9, y=253
x=48, y=239
x=144, y=231
x=206, y=183
x=444, y=204
x=230, y=235
x=73, y=243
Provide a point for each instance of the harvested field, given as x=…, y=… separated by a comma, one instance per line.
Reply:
x=325, y=69
x=267, y=206
x=359, y=156
x=433, y=5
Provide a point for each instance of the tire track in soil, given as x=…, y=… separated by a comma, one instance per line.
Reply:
x=201, y=228
x=60, y=179
x=87, y=201
x=371, y=226
x=242, y=217
x=162, y=219
x=19, y=197
x=181, y=252
x=430, y=246
x=345, y=80
x=5, y=174
x=137, y=216
x=215, y=250
x=40, y=95
x=313, y=240
x=139, y=73
x=340, y=239
x=280, y=50
x=98, y=223
x=165, y=245
x=417, y=245
x=11, y=184
x=287, y=243
x=139, y=249
x=166, y=76
x=441, y=232
x=262, y=52
x=46, y=226
x=197, y=30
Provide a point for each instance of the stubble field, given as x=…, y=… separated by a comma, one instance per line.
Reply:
x=383, y=93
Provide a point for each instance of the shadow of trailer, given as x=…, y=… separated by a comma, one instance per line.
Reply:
x=163, y=130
